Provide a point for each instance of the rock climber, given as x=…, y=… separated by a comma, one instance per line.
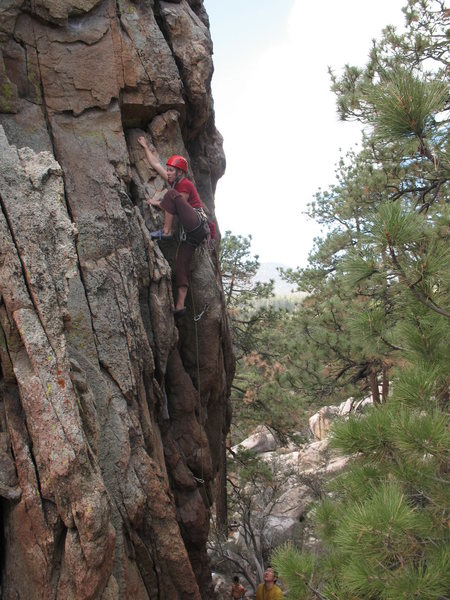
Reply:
x=181, y=200
x=269, y=590
x=237, y=589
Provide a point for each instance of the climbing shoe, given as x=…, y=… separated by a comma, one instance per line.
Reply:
x=179, y=313
x=160, y=235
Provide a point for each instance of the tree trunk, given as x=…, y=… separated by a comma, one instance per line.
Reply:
x=373, y=379
x=385, y=384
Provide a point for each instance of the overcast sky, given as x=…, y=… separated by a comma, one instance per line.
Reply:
x=276, y=113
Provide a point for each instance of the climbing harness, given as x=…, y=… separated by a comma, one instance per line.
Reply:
x=192, y=237
x=201, y=213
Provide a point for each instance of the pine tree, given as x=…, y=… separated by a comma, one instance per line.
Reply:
x=239, y=269
x=258, y=333
x=384, y=528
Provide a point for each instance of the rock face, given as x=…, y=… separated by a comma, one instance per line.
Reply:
x=112, y=419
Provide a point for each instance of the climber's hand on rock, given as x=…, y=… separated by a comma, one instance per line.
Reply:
x=143, y=142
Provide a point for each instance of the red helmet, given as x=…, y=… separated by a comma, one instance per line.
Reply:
x=178, y=162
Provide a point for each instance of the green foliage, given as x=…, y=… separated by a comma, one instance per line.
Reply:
x=396, y=226
x=298, y=568
x=423, y=336
x=423, y=437
x=377, y=318
x=405, y=106
x=415, y=385
x=375, y=537
x=238, y=269
x=370, y=435
x=264, y=336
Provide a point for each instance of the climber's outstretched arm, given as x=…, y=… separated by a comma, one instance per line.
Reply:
x=152, y=158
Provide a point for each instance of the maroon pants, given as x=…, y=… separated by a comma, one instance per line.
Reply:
x=174, y=203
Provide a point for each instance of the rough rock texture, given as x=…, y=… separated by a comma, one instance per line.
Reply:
x=261, y=440
x=320, y=423
x=301, y=468
x=112, y=419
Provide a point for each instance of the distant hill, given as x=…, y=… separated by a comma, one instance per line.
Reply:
x=269, y=271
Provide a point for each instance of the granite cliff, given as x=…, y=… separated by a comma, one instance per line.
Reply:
x=112, y=417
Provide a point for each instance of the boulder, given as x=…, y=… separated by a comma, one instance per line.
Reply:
x=320, y=422
x=260, y=441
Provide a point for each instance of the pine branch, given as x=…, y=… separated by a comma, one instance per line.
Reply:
x=413, y=287
x=238, y=389
x=392, y=346
x=310, y=587
x=421, y=190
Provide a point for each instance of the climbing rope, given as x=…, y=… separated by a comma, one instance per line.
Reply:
x=196, y=319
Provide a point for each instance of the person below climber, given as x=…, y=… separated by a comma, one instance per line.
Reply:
x=181, y=200
x=237, y=589
x=269, y=590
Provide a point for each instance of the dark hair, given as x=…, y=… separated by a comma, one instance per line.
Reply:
x=236, y=579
